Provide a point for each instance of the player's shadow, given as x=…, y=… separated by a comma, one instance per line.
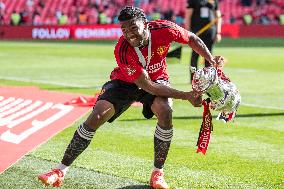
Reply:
x=136, y=187
x=200, y=117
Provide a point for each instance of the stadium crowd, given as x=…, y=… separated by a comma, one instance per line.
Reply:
x=62, y=12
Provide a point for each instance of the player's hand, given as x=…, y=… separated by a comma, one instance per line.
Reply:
x=217, y=38
x=195, y=98
x=219, y=61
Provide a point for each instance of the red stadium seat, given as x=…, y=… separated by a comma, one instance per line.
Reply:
x=229, y=8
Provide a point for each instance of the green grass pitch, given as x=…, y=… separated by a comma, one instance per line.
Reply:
x=247, y=153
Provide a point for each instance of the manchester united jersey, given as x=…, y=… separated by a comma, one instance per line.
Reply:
x=129, y=68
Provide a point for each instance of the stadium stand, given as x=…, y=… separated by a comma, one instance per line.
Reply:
x=53, y=12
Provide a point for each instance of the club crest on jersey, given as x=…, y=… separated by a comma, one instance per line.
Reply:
x=161, y=50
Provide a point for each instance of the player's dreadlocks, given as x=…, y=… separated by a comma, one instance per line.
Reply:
x=130, y=12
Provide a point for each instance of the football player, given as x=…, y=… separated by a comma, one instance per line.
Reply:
x=141, y=75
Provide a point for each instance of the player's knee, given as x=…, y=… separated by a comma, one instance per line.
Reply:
x=165, y=115
x=95, y=120
x=99, y=116
x=163, y=111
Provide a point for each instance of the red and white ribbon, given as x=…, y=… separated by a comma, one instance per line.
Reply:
x=205, y=129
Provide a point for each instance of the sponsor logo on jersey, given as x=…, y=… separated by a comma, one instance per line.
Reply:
x=155, y=67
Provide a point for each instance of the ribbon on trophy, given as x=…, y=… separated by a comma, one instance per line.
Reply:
x=222, y=75
x=205, y=129
x=223, y=96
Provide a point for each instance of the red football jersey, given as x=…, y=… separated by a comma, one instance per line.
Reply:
x=129, y=68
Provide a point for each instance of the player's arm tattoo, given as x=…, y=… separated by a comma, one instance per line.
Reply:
x=199, y=47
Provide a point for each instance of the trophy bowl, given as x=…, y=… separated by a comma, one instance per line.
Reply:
x=223, y=94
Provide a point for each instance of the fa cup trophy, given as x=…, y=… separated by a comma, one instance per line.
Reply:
x=223, y=96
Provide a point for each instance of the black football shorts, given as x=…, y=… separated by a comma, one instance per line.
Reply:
x=122, y=94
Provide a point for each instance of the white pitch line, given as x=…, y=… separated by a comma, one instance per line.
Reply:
x=45, y=82
x=261, y=106
x=86, y=86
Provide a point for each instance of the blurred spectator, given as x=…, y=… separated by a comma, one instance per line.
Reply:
x=15, y=18
x=264, y=20
x=155, y=15
x=168, y=15
x=25, y=17
x=58, y=14
x=115, y=20
x=247, y=19
x=82, y=18
x=37, y=20
x=63, y=19
x=232, y=19
x=102, y=18
x=281, y=19
x=178, y=19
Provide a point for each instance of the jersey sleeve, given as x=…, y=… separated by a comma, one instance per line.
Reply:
x=127, y=62
x=178, y=34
